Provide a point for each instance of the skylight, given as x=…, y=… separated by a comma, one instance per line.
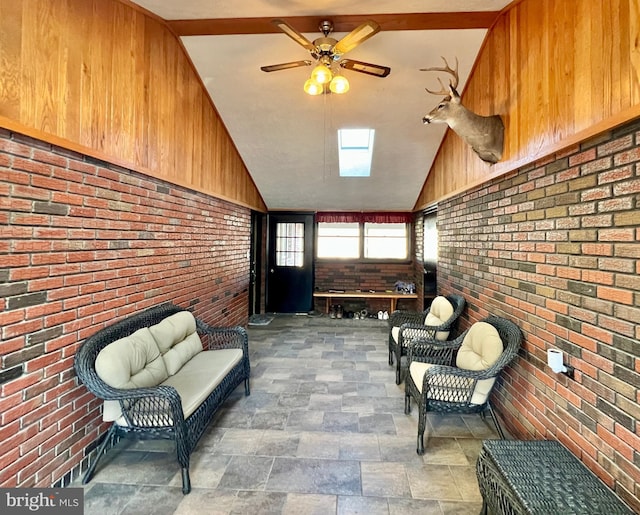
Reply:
x=355, y=148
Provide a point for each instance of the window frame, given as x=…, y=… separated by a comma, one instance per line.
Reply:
x=361, y=244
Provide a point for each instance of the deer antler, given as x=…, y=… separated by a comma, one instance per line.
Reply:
x=447, y=69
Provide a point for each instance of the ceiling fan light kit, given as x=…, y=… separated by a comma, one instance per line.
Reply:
x=313, y=88
x=339, y=84
x=327, y=53
x=321, y=74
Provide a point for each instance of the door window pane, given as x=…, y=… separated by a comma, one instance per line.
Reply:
x=290, y=244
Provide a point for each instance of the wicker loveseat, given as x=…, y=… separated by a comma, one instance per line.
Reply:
x=162, y=374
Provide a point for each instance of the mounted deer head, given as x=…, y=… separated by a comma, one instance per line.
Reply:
x=485, y=134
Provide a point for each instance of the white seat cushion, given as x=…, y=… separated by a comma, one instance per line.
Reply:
x=198, y=378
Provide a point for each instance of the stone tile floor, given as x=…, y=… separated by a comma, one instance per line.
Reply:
x=323, y=432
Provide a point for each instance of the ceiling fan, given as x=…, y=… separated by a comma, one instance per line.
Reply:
x=326, y=51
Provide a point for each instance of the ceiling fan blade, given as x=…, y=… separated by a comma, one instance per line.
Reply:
x=285, y=66
x=294, y=34
x=355, y=37
x=370, y=69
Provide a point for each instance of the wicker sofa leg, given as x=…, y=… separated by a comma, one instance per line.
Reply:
x=398, y=363
x=422, y=425
x=99, y=453
x=186, y=481
x=495, y=420
x=420, y=444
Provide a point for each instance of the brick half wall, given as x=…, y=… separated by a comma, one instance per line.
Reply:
x=84, y=244
x=555, y=247
x=363, y=276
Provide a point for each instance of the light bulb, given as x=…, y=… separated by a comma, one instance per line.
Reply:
x=312, y=87
x=321, y=74
x=339, y=84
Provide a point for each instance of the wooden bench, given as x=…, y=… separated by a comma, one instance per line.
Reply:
x=540, y=477
x=392, y=296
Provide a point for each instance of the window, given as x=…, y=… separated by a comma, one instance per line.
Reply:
x=339, y=240
x=355, y=149
x=355, y=240
x=385, y=241
x=290, y=244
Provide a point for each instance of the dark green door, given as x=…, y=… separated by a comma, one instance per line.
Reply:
x=290, y=270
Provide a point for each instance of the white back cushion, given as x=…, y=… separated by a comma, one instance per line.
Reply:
x=435, y=321
x=441, y=308
x=440, y=311
x=480, y=349
x=177, y=340
x=434, y=318
x=132, y=362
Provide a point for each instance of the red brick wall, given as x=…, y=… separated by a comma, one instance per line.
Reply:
x=83, y=244
x=353, y=275
x=555, y=247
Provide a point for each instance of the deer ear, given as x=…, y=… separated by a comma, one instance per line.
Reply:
x=455, y=97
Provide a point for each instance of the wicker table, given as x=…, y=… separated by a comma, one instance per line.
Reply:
x=540, y=477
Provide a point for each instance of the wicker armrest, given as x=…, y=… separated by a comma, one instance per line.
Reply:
x=433, y=351
x=447, y=384
x=223, y=337
x=412, y=332
x=399, y=317
x=158, y=406
x=435, y=374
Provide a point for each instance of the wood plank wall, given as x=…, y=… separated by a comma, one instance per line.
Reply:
x=559, y=72
x=109, y=80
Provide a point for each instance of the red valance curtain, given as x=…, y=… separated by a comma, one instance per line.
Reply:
x=375, y=218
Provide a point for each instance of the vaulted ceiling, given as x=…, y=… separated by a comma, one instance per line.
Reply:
x=288, y=139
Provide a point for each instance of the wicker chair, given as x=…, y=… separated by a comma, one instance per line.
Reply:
x=406, y=326
x=156, y=412
x=444, y=387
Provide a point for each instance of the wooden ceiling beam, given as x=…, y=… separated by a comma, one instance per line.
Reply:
x=341, y=23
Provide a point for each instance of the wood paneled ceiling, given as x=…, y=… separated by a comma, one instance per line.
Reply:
x=288, y=139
